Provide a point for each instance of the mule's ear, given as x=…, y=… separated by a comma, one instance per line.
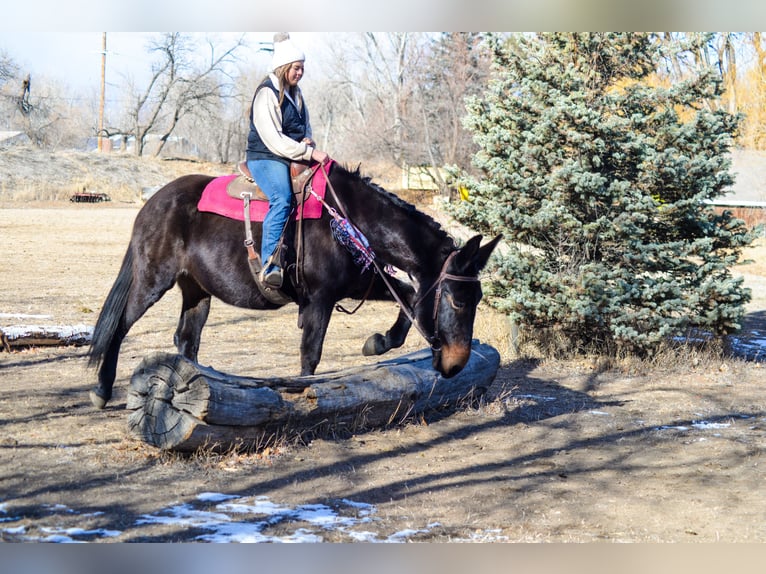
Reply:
x=465, y=255
x=481, y=258
x=473, y=256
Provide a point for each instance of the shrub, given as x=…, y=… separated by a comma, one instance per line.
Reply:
x=600, y=181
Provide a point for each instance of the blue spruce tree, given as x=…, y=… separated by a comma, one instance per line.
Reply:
x=600, y=183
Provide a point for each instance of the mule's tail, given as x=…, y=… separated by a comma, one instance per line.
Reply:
x=110, y=318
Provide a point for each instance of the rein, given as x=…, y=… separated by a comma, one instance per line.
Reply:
x=432, y=340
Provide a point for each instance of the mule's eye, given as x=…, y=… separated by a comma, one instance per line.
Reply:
x=454, y=303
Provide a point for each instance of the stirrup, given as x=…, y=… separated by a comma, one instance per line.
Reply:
x=274, y=278
x=271, y=293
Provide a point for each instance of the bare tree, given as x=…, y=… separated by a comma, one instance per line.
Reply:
x=179, y=86
x=388, y=57
x=455, y=68
x=688, y=53
x=752, y=92
x=8, y=68
x=46, y=111
x=221, y=133
x=740, y=61
x=12, y=102
x=400, y=97
x=367, y=96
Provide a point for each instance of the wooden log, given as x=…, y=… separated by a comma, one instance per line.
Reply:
x=179, y=405
x=49, y=335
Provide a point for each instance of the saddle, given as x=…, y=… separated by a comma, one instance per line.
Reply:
x=300, y=176
x=244, y=187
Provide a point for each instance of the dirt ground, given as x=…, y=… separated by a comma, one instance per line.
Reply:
x=556, y=451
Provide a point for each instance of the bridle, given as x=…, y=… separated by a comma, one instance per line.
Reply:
x=433, y=340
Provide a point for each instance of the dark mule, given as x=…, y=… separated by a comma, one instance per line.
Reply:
x=175, y=244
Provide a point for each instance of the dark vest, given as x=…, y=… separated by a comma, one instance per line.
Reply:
x=293, y=126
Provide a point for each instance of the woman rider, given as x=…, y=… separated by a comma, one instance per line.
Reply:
x=280, y=132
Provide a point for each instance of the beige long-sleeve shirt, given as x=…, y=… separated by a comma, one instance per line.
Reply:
x=267, y=118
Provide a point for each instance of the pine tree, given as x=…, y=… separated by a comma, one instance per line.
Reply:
x=599, y=181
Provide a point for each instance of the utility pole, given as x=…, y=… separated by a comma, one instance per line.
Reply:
x=103, y=90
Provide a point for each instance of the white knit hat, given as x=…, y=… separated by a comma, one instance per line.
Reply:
x=285, y=52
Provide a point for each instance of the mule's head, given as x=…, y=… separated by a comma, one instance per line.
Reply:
x=455, y=298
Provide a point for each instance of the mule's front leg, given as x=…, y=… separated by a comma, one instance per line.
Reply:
x=315, y=319
x=394, y=338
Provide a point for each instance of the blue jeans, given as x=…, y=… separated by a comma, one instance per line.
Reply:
x=273, y=177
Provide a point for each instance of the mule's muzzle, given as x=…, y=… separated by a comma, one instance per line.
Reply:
x=449, y=360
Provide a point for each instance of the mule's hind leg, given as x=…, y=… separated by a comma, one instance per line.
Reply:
x=107, y=372
x=134, y=310
x=194, y=313
x=142, y=291
x=394, y=338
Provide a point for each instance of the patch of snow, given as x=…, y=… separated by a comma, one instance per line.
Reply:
x=699, y=425
x=184, y=515
x=486, y=535
x=403, y=535
x=362, y=506
x=60, y=539
x=703, y=425
x=60, y=331
x=362, y=536
x=534, y=397
x=23, y=316
x=231, y=519
x=260, y=505
x=246, y=520
x=57, y=534
x=214, y=497
x=753, y=347
x=70, y=532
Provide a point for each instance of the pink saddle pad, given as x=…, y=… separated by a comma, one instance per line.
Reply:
x=215, y=200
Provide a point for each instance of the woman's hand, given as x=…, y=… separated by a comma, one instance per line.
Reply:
x=319, y=156
x=316, y=155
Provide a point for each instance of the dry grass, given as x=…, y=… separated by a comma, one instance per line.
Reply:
x=494, y=329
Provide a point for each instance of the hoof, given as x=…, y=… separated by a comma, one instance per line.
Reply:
x=98, y=401
x=375, y=345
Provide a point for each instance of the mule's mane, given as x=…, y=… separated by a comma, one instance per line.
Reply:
x=421, y=218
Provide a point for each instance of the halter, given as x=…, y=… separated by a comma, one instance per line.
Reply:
x=433, y=340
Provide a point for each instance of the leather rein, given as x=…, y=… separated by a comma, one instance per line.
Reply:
x=433, y=340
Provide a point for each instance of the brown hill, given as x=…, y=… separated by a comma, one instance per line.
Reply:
x=29, y=173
